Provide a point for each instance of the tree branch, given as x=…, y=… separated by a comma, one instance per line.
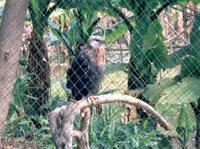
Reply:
x=83, y=142
x=123, y=16
x=77, y=134
x=61, y=119
x=154, y=15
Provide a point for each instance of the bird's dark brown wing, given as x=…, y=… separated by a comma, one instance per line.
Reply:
x=79, y=76
x=84, y=76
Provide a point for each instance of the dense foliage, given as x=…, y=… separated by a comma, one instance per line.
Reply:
x=149, y=54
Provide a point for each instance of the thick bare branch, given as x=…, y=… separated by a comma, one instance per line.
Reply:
x=61, y=124
x=77, y=134
x=103, y=99
x=61, y=119
x=154, y=15
x=83, y=142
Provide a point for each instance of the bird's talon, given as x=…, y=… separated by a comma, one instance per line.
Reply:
x=92, y=99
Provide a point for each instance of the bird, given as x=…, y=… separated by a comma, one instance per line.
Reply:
x=87, y=69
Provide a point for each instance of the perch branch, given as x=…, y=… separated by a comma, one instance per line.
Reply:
x=77, y=134
x=83, y=142
x=61, y=119
x=61, y=124
x=104, y=99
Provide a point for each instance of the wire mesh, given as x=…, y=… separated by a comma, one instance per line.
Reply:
x=72, y=50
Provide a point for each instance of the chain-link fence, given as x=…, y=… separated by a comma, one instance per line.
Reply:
x=80, y=54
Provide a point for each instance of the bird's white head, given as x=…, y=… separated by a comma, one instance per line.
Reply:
x=95, y=41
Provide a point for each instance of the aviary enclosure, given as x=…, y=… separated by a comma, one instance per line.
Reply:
x=107, y=74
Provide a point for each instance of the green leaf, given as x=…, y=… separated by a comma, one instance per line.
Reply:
x=116, y=31
x=62, y=19
x=182, y=122
x=38, y=15
x=35, y=6
x=136, y=44
x=175, y=58
x=154, y=70
x=196, y=1
x=19, y=92
x=150, y=38
x=63, y=38
x=190, y=67
x=68, y=4
x=153, y=91
x=12, y=109
x=184, y=2
x=184, y=92
x=154, y=47
x=116, y=67
x=184, y=127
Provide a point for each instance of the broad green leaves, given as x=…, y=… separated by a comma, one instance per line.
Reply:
x=154, y=47
x=78, y=31
x=186, y=91
x=116, y=31
x=190, y=67
x=196, y=1
x=185, y=2
x=185, y=129
x=177, y=94
x=94, y=5
x=184, y=122
x=20, y=96
x=153, y=92
x=149, y=49
x=169, y=96
x=64, y=39
x=38, y=11
x=152, y=35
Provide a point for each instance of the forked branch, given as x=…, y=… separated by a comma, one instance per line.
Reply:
x=61, y=119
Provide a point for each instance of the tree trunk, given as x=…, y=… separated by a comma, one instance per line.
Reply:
x=40, y=69
x=11, y=31
x=135, y=80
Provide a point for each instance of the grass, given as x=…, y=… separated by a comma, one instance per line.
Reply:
x=116, y=80
x=57, y=91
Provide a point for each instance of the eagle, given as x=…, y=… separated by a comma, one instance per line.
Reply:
x=87, y=69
